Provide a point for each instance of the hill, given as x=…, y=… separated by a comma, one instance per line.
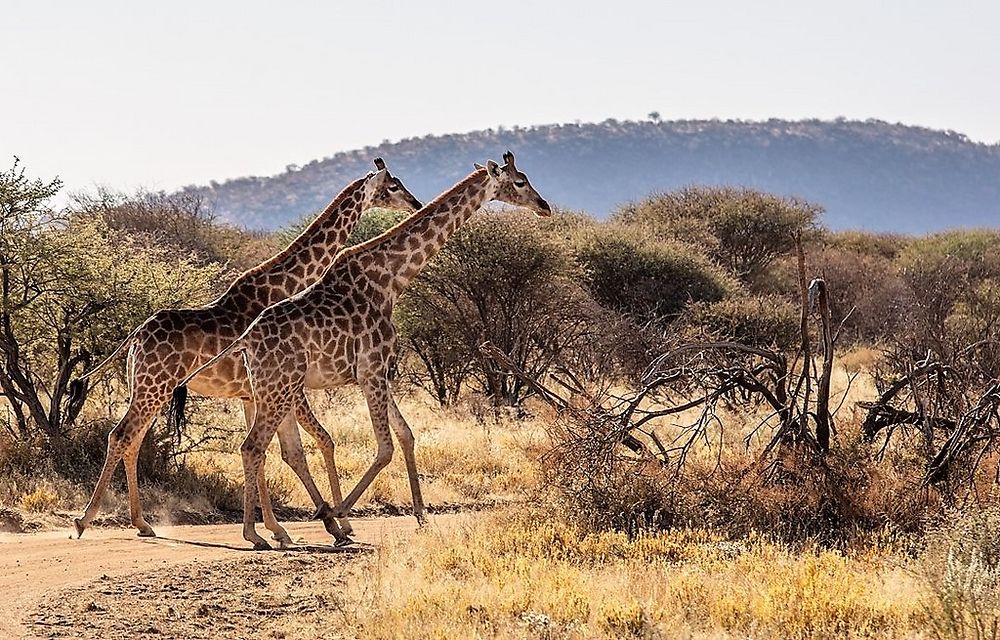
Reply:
x=868, y=175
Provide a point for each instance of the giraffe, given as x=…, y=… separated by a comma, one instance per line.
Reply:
x=173, y=342
x=339, y=330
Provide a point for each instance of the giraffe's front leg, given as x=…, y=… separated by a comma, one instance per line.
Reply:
x=375, y=386
x=406, y=443
x=295, y=457
x=339, y=529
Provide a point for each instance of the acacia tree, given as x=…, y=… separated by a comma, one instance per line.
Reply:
x=24, y=214
x=742, y=229
x=180, y=224
x=70, y=288
x=498, y=280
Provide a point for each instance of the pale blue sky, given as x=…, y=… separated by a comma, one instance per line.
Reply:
x=160, y=95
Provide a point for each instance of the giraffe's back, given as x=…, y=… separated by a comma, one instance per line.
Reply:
x=174, y=342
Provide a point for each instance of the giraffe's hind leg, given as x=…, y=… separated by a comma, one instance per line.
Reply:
x=123, y=439
x=267, y=417
x=312, y=425
x=131, y=456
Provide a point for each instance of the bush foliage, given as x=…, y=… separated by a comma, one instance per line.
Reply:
x=498, y=280
x=649, y=280
x=743, y=230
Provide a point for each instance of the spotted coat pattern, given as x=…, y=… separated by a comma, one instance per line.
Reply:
x=174, y=342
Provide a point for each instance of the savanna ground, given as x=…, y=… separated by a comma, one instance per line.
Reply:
x=509, y=564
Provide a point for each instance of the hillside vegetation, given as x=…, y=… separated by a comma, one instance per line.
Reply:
x=868, y=175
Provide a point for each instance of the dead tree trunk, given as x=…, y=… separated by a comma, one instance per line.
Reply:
x=817, y=292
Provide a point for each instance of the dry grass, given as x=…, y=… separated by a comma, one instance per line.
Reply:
x=517, y=574
x=462, y=460
x=527, y=571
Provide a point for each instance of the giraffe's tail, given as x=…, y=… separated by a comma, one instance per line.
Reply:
x=78, y=387
x=176, y=419
x=126, y=342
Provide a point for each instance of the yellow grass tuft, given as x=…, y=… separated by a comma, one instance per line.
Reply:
x=41, y=500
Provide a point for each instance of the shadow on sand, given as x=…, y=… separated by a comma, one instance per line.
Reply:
x=351, y=549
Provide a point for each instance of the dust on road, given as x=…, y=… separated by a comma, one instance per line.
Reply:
x=190, y=582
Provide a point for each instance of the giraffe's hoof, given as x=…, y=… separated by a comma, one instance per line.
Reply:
x=322, y=511
x=284, y=541
x=343, y=541
x=80, y=527
x=146, y=533
x=421, y=520
x=262, y=545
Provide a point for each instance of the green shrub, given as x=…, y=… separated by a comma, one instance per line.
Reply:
x=742, y=229
x=947, y=274
x=761, y=321
x=863, y=243
x=374, y=223
x=647, y=279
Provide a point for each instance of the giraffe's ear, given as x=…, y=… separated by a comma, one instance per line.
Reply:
x=380, y=164
x=493, y=168
x=508, y=159
x=477, y=165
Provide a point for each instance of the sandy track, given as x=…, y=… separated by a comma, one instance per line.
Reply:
x=33, y=567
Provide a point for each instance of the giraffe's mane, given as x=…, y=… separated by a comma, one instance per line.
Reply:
x=427, y=210
x=301, y=239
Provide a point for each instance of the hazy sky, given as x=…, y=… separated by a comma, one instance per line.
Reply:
x=164, y=94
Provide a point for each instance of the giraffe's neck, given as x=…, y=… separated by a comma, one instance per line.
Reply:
x=407, y=248
x=305, y=259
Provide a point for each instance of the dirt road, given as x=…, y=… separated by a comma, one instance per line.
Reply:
x=40, y=572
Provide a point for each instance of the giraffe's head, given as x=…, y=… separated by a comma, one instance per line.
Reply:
x=382, y=189
x=512, y=186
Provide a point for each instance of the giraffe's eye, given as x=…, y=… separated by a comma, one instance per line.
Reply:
x=393, y=186
x=519, y=183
